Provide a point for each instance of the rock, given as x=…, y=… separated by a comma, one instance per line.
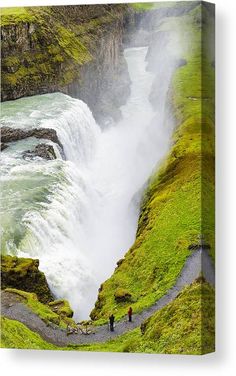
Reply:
x=42, y=150
x=9, y=134
x=119, y=262
x=61, y=307
x=122, y=295
x=3, y=146
x=180, y=63
x=23, y=274
x=195, y=247
x=98, y=305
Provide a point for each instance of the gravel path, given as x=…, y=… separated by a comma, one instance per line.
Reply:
x=12, y=308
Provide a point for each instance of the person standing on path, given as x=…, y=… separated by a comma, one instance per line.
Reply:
x=111, y=320
x=130, y=312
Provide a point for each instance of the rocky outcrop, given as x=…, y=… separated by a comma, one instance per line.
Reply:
x=122, y=295
x=3, y=146
x=76, y=50
x=61, y=307
x=24, y=274
x=9, y=134
x=42, y=150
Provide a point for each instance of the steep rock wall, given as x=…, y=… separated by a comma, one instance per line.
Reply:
x=76, y=50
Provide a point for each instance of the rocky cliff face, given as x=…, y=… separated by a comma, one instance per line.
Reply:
x=23, y=274
x=75, y=49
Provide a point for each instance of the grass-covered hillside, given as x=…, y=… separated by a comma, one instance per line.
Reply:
x=15, y=335
x=185, y=326
x=175, y=207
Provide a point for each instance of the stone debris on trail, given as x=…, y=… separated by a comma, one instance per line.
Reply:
x=13, y=308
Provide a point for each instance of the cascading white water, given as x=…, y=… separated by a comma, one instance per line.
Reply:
x=79, y=216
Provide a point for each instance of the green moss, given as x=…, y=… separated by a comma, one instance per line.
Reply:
x=44, y=311
x=142, y=7
x=72, y=46
x=12, y=16
x=16, y=335
x=61, y=307
x=23, y=273
x=180, y=193
x=10, y=61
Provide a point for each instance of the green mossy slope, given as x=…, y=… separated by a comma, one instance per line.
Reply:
x=15, y=335
x=173, y=215
x=184, y=326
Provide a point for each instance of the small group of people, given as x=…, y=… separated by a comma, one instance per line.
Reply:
x=112, y=319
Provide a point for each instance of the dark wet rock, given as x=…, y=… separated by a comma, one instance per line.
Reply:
x=42, y=150
x=119, y=262
x=9, y=134
x=3, y=146
x=24, y=274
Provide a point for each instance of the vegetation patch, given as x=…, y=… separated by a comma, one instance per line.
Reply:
x=143, y=7
x=13, y=15
x=15, y=335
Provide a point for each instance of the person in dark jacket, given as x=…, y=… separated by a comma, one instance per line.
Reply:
x=130, y=312
x=111, y=320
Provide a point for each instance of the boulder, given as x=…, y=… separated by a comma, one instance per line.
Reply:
x=9, y=134
x=122, y=295
x=42, y=150
x=24, y=274
x=61, y=307
x=3, y=146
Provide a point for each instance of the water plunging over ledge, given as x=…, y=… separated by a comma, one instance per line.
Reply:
x=79, y=216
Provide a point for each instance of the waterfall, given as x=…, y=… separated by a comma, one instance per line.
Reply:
x=79, y=215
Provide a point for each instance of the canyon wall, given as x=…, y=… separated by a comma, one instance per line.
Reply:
x=74, y=50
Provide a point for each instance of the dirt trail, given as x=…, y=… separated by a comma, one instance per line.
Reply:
x=12, y=308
